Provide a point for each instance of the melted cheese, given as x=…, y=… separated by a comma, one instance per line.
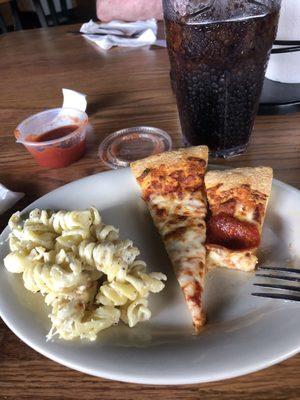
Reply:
x=181, y=223
x=173, y=188
x=187, y=205
x=244, y=214
x=218, y=256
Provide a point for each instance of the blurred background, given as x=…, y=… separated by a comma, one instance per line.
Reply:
x=28, y=14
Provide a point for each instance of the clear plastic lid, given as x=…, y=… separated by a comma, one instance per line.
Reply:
x=121, y=148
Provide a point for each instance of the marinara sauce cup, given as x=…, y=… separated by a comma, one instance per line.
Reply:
x=55, y=137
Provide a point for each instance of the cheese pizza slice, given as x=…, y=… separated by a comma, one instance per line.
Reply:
x=172, y=185
x=237, y=201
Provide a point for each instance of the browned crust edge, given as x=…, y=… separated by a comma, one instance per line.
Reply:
x=169, y=158
x=258, y=178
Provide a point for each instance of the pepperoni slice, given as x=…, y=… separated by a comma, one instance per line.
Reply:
x=226, y=230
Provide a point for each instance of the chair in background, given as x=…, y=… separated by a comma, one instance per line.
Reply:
x=15, y=16
x=54, y=18
x=43, y=13
x=2, y=25
x=40, y=13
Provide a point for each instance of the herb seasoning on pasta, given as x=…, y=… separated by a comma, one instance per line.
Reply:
x=89, y=277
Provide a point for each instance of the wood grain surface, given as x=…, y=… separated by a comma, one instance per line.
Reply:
x=125, y=87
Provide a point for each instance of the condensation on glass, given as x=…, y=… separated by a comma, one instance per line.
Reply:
x=219, y=51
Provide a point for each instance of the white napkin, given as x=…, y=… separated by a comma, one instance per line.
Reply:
x=289, y=26
x=285, y=67
x=73, y=99
x=8, y=198
x=119, y=33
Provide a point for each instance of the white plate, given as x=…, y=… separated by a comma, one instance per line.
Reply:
x=244, y=333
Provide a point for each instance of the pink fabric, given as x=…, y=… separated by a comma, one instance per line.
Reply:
x=129, y=10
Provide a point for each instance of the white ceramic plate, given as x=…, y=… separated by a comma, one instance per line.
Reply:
x=244, y=333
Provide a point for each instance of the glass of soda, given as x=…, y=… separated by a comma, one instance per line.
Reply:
x=219, y=50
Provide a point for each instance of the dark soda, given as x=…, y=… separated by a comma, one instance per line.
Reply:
x=217, y=71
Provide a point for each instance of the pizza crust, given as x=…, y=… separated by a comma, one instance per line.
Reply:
x=248, y=191
x=169, y=158
x=258, y=178
x=172, y=185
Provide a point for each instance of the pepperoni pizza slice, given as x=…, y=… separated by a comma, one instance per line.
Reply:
x=172, y=185
x=237, y=206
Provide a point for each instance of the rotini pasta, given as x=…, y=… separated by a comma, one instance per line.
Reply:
x=67, y=321
x=135, y=312
x=112, y=258
x=118, y=293
x=71, y=220
x=105, y=232
x=89, y=277
x=16, y=262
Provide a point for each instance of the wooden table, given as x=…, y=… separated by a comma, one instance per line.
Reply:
x=125, y=87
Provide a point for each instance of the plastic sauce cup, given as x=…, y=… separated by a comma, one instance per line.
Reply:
x=35, y=134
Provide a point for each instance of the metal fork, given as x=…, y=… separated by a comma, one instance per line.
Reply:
x=290, y=274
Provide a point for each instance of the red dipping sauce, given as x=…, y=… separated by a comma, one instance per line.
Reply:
x=58, y=147
x=57, y=133
x=59, y=154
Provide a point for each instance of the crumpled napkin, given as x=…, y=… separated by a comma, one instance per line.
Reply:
x=73, y=99
x=8, y=198
x=119, y=33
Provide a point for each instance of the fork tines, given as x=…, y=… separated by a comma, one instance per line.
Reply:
x=281, y=269
x=292, y=275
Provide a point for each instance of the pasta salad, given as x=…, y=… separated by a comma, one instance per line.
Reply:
x=89, y=277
